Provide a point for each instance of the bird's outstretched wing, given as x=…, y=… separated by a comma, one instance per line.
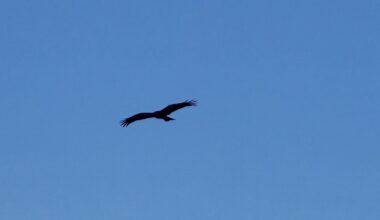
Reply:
x=174, y=107
x=136, y=117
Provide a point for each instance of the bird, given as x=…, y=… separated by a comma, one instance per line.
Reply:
x=161, y=114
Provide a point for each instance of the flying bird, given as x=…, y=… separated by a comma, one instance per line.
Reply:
x=162, y=114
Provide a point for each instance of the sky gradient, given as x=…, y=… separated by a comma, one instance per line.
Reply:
x=287, y=127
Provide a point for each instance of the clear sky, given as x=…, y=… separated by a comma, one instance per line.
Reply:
x=287, y=127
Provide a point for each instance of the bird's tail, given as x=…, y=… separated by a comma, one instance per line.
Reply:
x=166, y=118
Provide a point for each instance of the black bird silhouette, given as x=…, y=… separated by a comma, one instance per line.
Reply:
x=162, y=114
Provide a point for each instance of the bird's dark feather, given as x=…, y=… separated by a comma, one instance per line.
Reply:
x=174, y=107
x=139, y=116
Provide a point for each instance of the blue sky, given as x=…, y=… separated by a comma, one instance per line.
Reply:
x=287, y=125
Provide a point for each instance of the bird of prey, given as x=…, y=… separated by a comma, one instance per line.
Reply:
x=162, y=114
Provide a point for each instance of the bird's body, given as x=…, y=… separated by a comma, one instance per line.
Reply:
x=162, y=114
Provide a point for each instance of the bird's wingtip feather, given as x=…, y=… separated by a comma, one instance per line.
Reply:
x=123, y=123
x=193, y=102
